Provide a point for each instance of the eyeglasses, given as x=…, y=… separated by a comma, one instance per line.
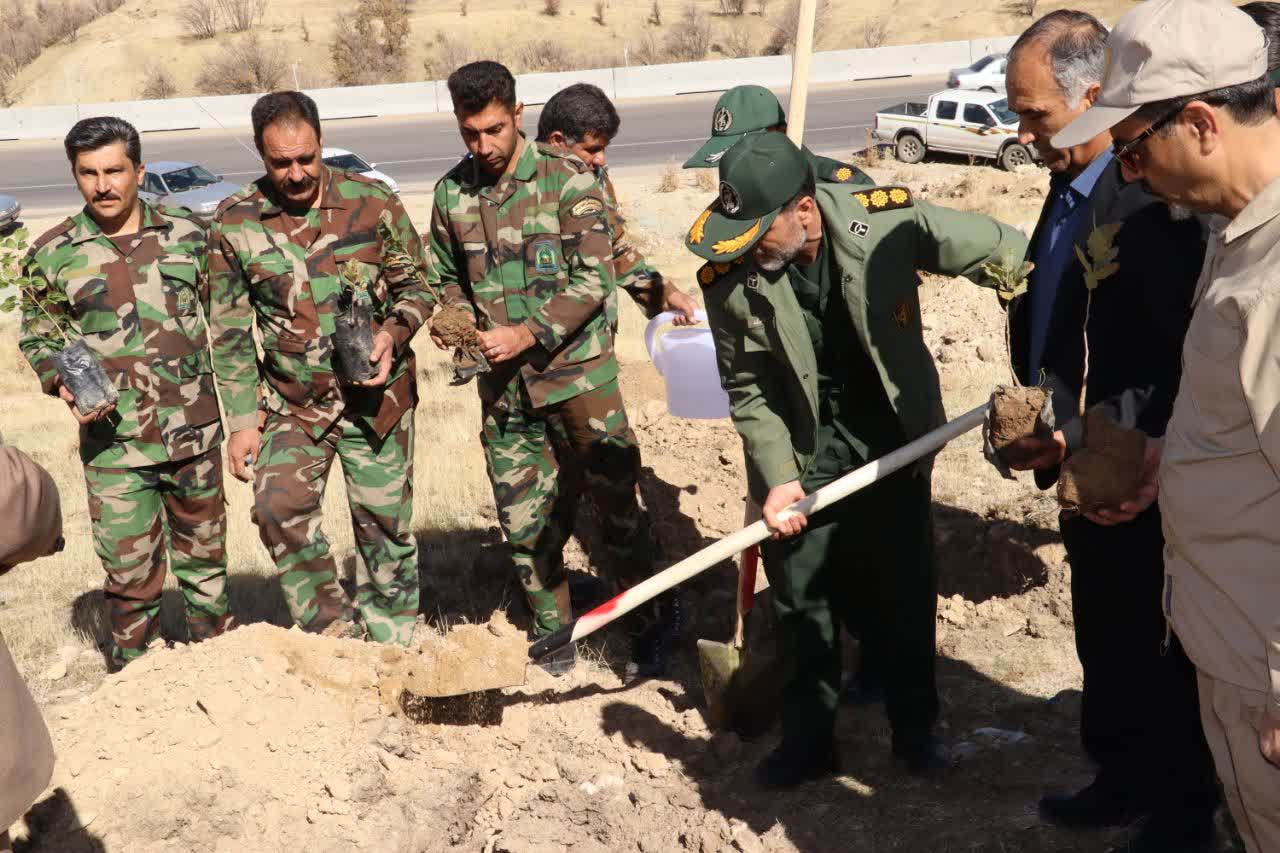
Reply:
x=1128, y=154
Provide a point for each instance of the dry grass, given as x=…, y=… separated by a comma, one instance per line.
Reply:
x=670, y=180
x=706, y=179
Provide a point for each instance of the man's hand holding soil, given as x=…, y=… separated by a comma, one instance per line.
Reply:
x=1032, y=452
x=1147, y=492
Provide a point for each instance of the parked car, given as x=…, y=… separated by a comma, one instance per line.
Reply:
x=976, y=123
x=985, y=75
x=178, y=184
x=10, y=210
x=341, y=158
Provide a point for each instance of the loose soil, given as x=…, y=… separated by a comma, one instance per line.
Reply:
x=1108, y=471
x=455, y=327
x=1015, y=413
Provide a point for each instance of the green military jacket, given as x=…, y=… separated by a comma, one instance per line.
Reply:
x=632, y=270
x=534, y=248
x=269, y=265
x=137, y=308
x=828, y=171
x=880, y=237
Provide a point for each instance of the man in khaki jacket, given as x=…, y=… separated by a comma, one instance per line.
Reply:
x=30, y=506
x=1196, y=121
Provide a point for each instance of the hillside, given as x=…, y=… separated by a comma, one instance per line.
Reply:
x=110, y=57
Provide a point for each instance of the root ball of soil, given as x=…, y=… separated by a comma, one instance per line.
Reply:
x=1014, y=414
x=1108, y=471
x=455, y=327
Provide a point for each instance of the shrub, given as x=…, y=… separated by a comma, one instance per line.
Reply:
x=874, y=31
x=545, y=56
x=157, y=83
x=370, y=47
x=599, y=16
x=655, y=14
x=783, y=39
x=243, y=67
x=670, y=180
x=551, y=8
x=690, y=41
x=199, y=18
x=737, y=43
x=242, y=15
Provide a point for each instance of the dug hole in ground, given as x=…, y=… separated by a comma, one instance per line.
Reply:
x=266, y=739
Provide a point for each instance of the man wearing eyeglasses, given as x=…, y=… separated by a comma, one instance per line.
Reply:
x=1137, y=319
x=1189, y=104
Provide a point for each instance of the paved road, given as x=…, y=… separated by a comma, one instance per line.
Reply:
x=416, y=151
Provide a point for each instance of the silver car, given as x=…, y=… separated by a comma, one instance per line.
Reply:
x=10, y=210
x=179, y=184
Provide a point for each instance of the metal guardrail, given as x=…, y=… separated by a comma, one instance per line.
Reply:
x=637, y=81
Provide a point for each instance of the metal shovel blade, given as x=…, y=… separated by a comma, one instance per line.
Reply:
x=741, y=690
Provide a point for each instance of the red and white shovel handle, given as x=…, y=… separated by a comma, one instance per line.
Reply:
x=628, y=600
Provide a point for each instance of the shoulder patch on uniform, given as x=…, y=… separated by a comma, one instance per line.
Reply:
x=566, y=157
x=241, y=195
x=586, y=207
x=884, y=198
x=842, y=174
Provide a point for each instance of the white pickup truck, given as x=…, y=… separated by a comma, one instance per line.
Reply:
x=959, y=122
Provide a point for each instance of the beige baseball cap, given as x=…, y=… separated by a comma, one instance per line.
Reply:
x=1165, y=49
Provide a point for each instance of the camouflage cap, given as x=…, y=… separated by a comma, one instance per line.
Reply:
x=741, y=110
x=757, y=178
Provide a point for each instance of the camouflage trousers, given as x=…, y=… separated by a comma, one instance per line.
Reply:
x=540, y=462
x=292, y=470
x=133, y=511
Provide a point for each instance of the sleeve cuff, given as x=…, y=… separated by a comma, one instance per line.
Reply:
x=240, y=423
x=1073, y=434
x=542, y=333
x=400, y=334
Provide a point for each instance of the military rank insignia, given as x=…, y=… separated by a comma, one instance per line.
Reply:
x=884, y=198
x=843, y=174
x=859, y=229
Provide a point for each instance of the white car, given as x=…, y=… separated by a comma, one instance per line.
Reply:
x=341, y=158
x=985, y=75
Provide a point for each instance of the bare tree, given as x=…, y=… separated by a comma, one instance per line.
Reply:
x=599, y=16
x=733, y=7
x=649, y=51
x=370, y=47
x=690, y=41
x=199, y=18
x=306, y=31
x=783, y=39
x=655, y=14
x=551, y=8
x=242, y=15
x=243, y=67
x=545, y=56
x=451, y=52
x=61, y=21
x=874, y=31
x=157, y=83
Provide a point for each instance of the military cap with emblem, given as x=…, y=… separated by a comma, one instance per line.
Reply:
x=741, y=110
x=758, y=176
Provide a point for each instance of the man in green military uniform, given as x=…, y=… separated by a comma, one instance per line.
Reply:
x=811, y=293
x=277, y=247
x=745, y=110
x=128, y=278
x=751, y=109
x=521, y=240
x=581, y=120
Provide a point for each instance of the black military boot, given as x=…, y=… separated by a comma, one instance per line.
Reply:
x=922, y=757
x=864, y=687
x=792, y=764
x=651, y=634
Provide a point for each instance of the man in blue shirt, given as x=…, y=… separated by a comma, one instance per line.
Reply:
x=1139, y=716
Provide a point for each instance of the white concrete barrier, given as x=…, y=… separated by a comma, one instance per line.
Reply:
x=653, y=81
x=432, y=96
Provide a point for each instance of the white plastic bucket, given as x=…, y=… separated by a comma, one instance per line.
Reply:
x=686, y=358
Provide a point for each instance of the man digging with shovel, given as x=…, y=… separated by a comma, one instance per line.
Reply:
x=811, y=293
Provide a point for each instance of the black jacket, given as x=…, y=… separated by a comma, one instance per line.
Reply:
x=1137, y=320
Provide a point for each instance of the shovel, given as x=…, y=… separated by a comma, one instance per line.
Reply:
x=754, y=534
x=740, y=689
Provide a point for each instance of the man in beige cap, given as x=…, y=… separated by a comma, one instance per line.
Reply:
x=32, y=512
x=1193, y=116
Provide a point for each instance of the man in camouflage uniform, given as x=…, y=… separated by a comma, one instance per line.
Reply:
x=521, y=240
x=581, y=120
x=129, y=279
x=744, y=110
x=276, y=249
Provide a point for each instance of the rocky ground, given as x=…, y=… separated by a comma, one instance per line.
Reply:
x=270, y=740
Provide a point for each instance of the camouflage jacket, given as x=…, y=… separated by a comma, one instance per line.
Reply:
x=633, y=271
x=137, y=310
x=533, y=248
x=266, y=263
